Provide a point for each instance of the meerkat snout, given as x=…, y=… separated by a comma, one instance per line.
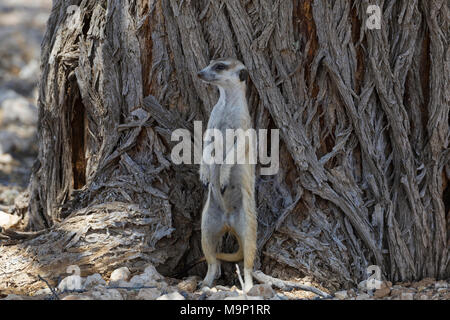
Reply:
x=225, y=73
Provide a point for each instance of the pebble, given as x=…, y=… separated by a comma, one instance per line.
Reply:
x=223, y=288
x=8, y=220
x=189, y=285
x=222, y=295
x=172, y=296
x=244, y=297
x=93, y=281
x=13, y=297
x=363, y=296
x=381, y=293
x=407, y=296
x=205, y=289
x=341, y=295
x=106, y=294
x=77, y=297
x=362, y=286
x=73, y=282
x=120, y=274
x=17, y=109
x=262, y=290
x=441, y=284
x=44, y=291
x=151, y=272
x=148, y=294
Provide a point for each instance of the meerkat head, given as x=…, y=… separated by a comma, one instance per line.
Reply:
x=227, y=72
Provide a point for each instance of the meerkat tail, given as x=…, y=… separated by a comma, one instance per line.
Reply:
x=231, y=257
x=228, y=257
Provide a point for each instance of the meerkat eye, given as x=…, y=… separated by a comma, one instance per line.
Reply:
x=220, y=67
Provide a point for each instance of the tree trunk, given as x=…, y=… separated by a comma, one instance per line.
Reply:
x=363, y=118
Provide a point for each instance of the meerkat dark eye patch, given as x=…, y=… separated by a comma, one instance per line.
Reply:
x=220, y=67
x=243, y=75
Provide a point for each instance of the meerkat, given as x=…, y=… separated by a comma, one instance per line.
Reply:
x=230, y=204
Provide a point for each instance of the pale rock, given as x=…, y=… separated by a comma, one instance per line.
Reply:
x=206, y=289
x=149, y=277
x=441, y=284
x=153, y=273
x=172, y=296
x=121, y=284
x=17, y=139
x=70, y=283
x=30, y=71
x=221, y=295
x=9, y=196
x=8, y=220
x=188, y=285
x=18, y=109
x=280, y=296
x=341, y=295
x=13, y=297
x=77, y=297
x=422, y=297
x=351, y=293
x=93, y=281
x=120, y=274
x=5, y=158
x=148, y=294
x=161, y=285
x=43, y=291
x=223, y=288
x=363, y=296
x=362, y=286
x=106, y=294
x=140, y=280
x=262, y=290
x=383, y=292
x=7, y=141
x=426, y=282
x=421, y=288
x=398, y=291
x=234, y=288
x=244, y=297
x=407, y=296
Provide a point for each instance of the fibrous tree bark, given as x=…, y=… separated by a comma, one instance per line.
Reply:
x=363, y=118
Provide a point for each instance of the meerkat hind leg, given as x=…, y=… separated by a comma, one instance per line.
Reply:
x=247, y=234
x=212, y=231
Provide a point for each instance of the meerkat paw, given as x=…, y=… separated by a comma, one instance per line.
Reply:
x=204, y=177
x=213, y=273
x=225, y=171
x=248, y=280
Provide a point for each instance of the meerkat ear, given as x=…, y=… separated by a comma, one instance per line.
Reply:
x=243, y=75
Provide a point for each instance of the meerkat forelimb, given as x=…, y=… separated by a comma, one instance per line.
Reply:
x=230, y=205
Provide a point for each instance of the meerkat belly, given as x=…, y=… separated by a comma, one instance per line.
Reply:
x=233, y=198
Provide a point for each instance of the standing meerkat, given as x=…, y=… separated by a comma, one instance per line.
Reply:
x=230, y=206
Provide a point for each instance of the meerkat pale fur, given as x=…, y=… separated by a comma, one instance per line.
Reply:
x=230, y=206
